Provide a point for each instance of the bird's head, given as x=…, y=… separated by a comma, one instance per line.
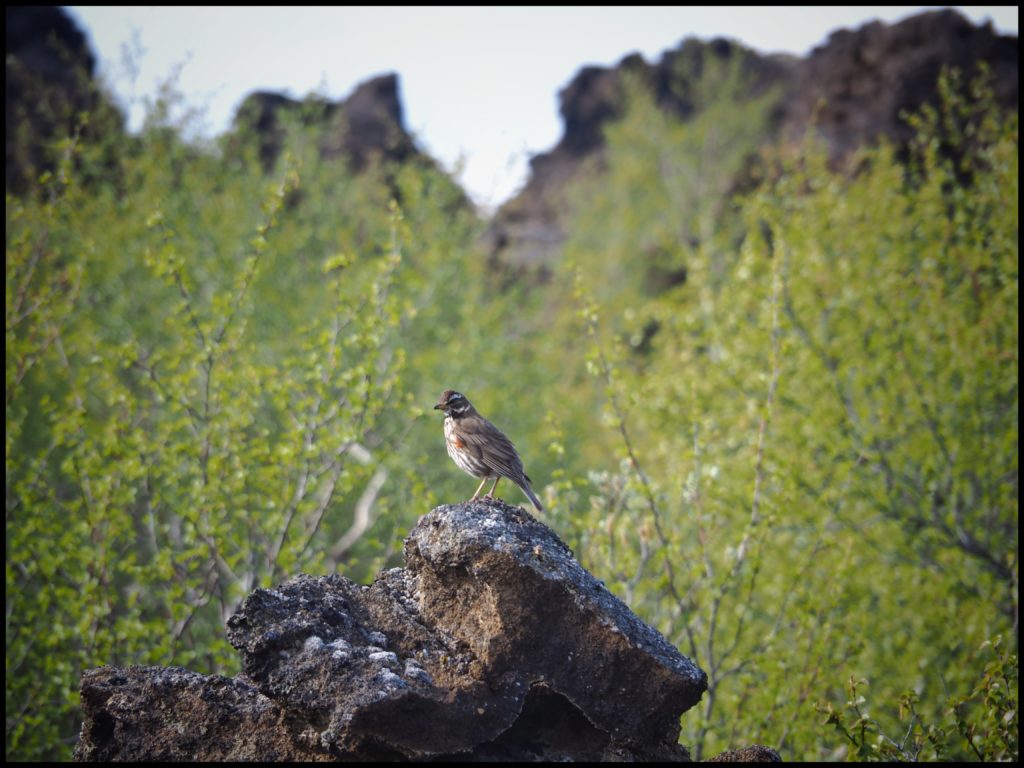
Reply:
x=452, y=403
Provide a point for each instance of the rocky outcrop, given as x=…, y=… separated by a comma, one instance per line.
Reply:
x=856, y=87
x=852, y=90
x=49, y=85
x=156, y=714
x=528, y=230
x=493, y=643
x=367, y=126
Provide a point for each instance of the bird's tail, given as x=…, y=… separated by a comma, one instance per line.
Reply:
x=525, y=485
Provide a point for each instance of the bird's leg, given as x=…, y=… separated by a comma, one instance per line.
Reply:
x=479, y=488
x=490, y=493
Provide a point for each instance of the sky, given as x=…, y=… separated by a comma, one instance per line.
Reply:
x=479, y=86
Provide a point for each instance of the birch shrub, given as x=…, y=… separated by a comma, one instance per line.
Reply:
x=817, y=434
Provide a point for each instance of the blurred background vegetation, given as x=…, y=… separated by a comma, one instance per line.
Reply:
x=777, y=418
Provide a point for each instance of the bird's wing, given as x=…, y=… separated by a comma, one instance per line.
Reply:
x=492, y=448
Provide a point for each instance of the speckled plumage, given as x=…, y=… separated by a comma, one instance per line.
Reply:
x=479, y=448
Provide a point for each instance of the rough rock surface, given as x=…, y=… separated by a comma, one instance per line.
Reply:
x=752, y=754
x=493, y=643
x=155, y=714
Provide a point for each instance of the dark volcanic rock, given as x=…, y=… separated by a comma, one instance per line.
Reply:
x=753, y=754
x=854, y=88
x=529, y=229
x=493, y=643
x=525, y=604
x=147, y=714
x=49, y=83
x=46, y=41
x=368, y=125
x=374, y=123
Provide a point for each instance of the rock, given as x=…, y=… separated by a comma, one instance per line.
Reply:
x=852, y=90
x=367, y=126
x=147, y=714
x=509, y=590
x=752, y=754
x=50, y=83
x=855, y=88
x=374, y=124
x=493, y=643
x=528, y=231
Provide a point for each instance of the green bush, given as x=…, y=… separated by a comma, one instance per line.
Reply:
x=782, y=426
x=196, y=375
x=818, y=431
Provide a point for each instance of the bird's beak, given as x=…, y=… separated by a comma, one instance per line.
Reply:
x=438, y=406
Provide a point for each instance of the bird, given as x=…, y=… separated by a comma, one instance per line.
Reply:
x=479, y=448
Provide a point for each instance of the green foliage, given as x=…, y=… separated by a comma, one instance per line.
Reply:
x=196, y=377
x=993, y=731
x=781, y=426
x=673, y=186
x=818, y=431
x=986, y=719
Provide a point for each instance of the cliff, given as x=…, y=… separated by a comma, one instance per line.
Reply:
x=368, y=125
x=852, y=90
x=49, y=84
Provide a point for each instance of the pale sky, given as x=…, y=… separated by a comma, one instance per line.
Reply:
x=478, y=85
